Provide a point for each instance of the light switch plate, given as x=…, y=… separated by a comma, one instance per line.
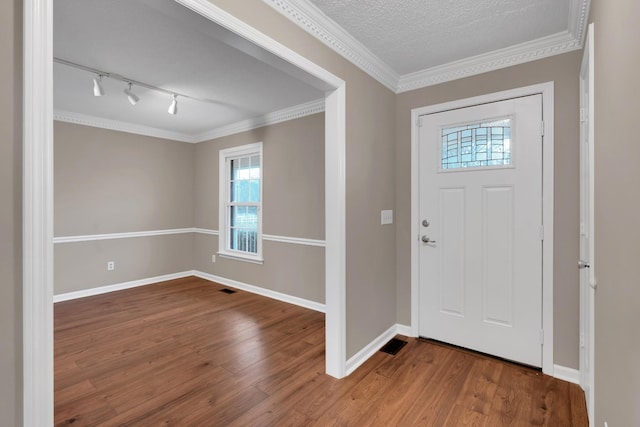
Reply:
x=386, y=217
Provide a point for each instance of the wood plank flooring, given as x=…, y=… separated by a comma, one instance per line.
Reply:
x=183, y=353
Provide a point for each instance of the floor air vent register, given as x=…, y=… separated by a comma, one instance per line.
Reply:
x=393, y=346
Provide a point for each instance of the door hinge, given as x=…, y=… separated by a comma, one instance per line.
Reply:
x=419, y=122
x=542, y=232
x=541, y=336
x=582, y=115
x=541, y=128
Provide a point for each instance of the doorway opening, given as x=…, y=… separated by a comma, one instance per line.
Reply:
x=38, y=200
x=545, y=90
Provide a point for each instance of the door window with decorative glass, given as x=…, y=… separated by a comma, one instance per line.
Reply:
x=477, y=145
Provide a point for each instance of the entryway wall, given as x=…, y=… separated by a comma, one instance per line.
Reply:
x=562, y=70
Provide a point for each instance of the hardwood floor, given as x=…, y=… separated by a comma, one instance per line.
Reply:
x=182, y=353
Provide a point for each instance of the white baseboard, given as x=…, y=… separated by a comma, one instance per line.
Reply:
x=567, y=374
x=312, y=305
x=404, y=330
x=120, y=286
x=370, y=349
x=222, y=280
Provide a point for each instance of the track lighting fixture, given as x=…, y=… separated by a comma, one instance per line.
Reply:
x=133, y=99
x=97, y=86
x=173, y=108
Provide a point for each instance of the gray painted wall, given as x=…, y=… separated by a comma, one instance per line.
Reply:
x=370, y=179
x=563, y=70
x=293, y=187
x=303, y=276
x=11, y=213
x=80, y=266
x=617, y=203
x=113, y=182
x=293, y=206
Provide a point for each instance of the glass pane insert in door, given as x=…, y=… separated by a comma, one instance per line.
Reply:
x=476, y=145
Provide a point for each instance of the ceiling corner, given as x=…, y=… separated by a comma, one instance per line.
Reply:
x=102, y=123
x=291, y=113
x=502, y=58
x=578, y=17
x=316, y=23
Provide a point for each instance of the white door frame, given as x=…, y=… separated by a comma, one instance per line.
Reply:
x=587, y=306
x=547, y=91
x=38, y=200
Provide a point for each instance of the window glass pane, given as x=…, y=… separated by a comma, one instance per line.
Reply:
x=254, y=187
x=252, y=217
x=233, y=191
x=233, y=238
x=244, y=163
x=252, y=241
x=238, y=215
x=234, y=169
x=244, y=185
x=243, y=174
x=476, y=145
x=245, y=179
x=244, y=228
x=255, y=167
x=243, y=191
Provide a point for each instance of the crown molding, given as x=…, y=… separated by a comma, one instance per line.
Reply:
x=315, y=22
x=279, y=116
x=286, y=114
x=502, y=58
x=99, y=122
x=578, y=16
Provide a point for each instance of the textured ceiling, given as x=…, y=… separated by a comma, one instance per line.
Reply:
x=414, y=35
x=163, y=44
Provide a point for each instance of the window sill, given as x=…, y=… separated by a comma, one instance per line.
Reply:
x=236, y=257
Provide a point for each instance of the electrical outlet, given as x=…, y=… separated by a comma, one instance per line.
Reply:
x=213, y=258
x=111, y=265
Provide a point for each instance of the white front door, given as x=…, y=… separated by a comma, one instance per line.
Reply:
x=480, y=179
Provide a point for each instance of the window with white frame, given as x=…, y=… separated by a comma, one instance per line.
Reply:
x=240, y=215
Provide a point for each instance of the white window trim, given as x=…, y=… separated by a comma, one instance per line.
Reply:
x=223, y=198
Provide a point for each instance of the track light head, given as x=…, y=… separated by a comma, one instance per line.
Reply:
x=97, y=86
x=132, y=97
x=173, y=108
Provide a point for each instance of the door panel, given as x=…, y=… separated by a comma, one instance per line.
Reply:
x=481, y=254
x=452, y=291
x=497, y=239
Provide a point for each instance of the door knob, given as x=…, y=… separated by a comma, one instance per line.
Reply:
x=425, y=223
x=583, y=264
x=426, y=239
